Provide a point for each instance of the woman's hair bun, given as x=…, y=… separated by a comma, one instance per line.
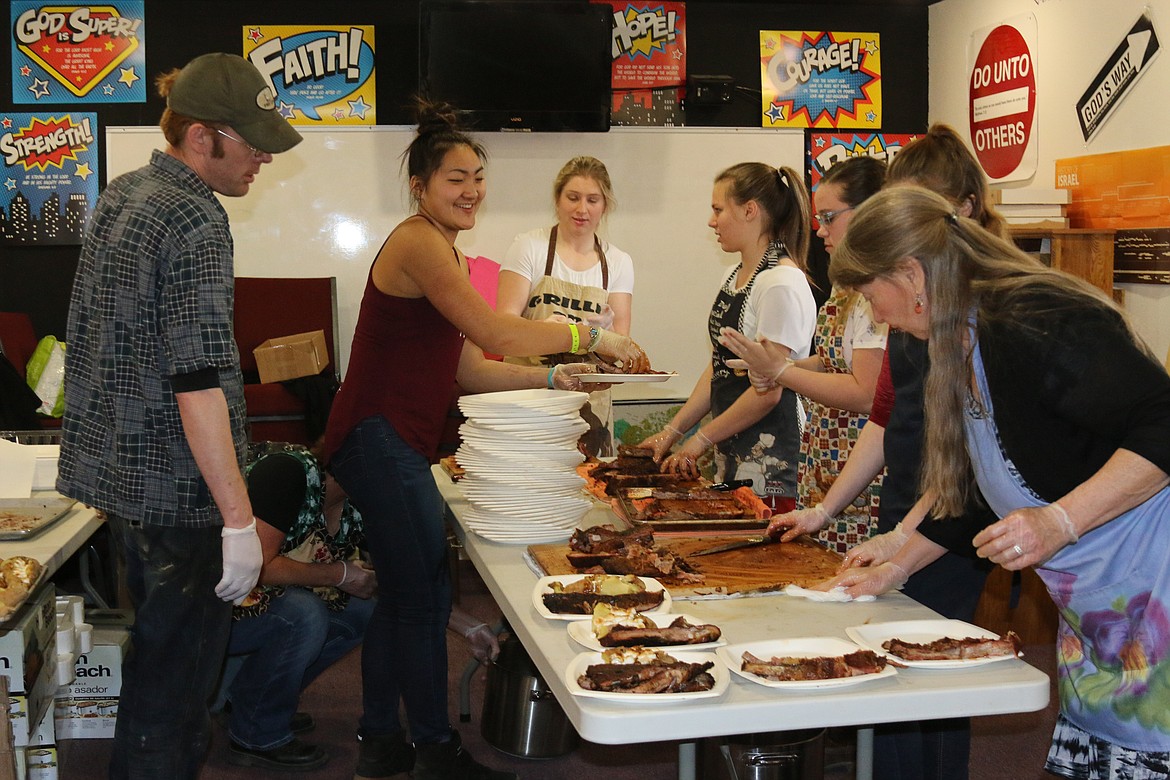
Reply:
x=435, y=115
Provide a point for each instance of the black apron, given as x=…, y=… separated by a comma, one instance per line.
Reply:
x=767, y=452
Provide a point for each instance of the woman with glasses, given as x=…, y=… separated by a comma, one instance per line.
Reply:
x=838, y=380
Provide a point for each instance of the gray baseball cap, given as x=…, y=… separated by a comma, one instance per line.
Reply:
x=226, y=88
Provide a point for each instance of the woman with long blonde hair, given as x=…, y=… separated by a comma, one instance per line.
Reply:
x=1042, y=397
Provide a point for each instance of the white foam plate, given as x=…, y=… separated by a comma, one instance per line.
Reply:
x=802, y=647
x=583, y=661
x=581, y=631
x=617, y=379
x=523, y=537
x=872, y=636
x=542, y=587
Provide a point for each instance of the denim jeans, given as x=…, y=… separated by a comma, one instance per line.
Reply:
x=177, y=642
x=283, y=650
x=404, y=655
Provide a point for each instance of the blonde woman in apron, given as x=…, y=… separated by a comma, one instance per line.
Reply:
x=568, y=274
x=761, y=213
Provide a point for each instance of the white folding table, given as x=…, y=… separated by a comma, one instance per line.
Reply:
x=913, y=694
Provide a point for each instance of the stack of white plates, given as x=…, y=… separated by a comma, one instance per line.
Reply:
x=520, y=454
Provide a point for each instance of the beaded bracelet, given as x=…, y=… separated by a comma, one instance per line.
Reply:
x=576, y=333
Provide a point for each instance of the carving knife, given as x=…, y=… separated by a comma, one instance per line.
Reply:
x=738, y=544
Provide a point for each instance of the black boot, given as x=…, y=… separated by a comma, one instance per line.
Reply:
x=383, y=755
x=449, y=761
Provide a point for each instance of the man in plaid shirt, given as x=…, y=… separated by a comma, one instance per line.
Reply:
x=154, y=428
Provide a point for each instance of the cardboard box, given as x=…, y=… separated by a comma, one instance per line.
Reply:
x=30, y=642
x=87, y=708
x=289, y=357
x=26, y=711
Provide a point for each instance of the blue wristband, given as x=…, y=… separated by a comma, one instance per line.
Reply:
x=551, y=371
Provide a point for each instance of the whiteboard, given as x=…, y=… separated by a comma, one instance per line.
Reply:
x=324, y=208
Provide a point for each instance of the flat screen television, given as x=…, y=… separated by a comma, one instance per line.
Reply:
x=535, y=65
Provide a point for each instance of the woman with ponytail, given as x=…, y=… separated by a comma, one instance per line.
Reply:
x=420, y=329
x=762, y=214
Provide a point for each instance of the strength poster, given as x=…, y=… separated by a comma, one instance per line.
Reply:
x=821, y=79
x=322, y=75
x=49, y=176
x=78, y=53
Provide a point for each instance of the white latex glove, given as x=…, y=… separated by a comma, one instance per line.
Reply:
x=565, y=377
x=879, y=549
x=558, y=318
x=485, y=646
x=359, y=579
x=685, y=460
x=621, y=351
x=242, y=559
x=801, y=521
x=1026, y=537
x=867, y=581
x=764, y=360
x=660, y=442
x=602, y=320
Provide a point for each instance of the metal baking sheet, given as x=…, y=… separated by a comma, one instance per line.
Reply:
x=37, y=515
x=692, y=525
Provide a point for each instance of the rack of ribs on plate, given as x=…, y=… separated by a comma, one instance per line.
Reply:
x=951, y=649
x=615, y=627
x=580, y=598
x=638, y=670
x=786, y=669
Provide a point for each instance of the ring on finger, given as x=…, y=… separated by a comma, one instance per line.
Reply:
x=1019, y=550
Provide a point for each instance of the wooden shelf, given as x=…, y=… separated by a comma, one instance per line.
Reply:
x=1083, y=252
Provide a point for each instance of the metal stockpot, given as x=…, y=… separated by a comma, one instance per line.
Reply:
x=780, y=755
x=520, y=714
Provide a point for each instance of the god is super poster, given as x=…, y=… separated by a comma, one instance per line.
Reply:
x=821, y=79
x=321, y=74
x=48, y=176
x=78, y=53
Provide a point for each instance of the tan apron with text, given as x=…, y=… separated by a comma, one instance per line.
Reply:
x=550, y=296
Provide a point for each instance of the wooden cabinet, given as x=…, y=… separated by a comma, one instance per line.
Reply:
x=1083, y=252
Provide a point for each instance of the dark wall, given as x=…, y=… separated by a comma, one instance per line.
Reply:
x=722, y=38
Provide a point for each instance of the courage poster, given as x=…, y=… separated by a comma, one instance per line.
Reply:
x=820, y=79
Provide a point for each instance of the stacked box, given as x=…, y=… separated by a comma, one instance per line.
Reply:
x=1033, y=207
x=87, y=708
x=28, y=653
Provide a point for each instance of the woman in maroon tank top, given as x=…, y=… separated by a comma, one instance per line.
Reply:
x=420, y=329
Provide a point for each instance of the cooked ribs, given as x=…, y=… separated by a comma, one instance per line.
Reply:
x=950, y=649
x=821, y=668
x=583, y=603
x=658, y=677
x=679, y=632
x=627, y=552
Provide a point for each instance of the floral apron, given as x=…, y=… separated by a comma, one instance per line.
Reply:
x=1112, y=589
x=767, y=451
x=551, y=295
x=829, y=436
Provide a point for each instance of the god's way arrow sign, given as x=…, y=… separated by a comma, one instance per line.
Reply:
x=1121, y=71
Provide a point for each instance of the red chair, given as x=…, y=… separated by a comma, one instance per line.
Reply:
x=268, y=308
x=18, y=341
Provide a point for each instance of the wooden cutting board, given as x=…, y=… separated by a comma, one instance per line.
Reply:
x=735, y=572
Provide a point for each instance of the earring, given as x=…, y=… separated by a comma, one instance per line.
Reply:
x=918, y=303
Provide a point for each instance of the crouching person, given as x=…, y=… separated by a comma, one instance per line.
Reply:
x=310, y=608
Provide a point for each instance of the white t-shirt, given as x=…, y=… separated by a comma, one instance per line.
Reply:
x=529, y=251
x=861, y=332
x=781, y=308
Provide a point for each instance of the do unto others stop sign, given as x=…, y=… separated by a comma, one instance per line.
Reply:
x=1003, y=103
